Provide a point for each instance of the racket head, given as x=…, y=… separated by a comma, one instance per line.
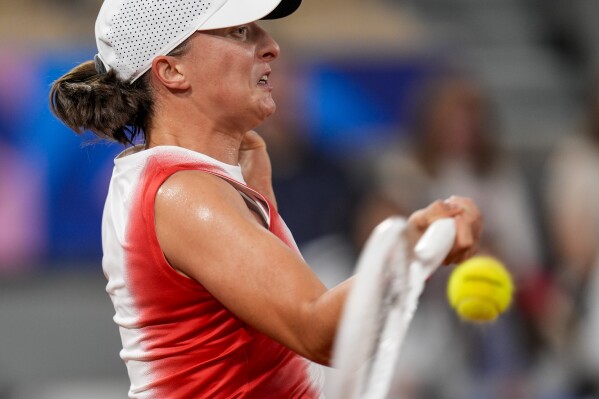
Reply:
x=390, y=278
x=367, y=325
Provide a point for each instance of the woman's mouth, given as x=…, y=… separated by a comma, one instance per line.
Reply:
x=263, y=80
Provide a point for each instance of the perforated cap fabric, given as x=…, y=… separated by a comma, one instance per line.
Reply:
x=131, y=33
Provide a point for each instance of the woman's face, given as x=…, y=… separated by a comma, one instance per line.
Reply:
x=229, y=76
x=457, y=120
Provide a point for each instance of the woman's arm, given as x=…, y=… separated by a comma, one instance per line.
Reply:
x=207, y=232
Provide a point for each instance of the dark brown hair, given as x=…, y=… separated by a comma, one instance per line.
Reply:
x=467, y=93
x=84, y=99
x=111, y=108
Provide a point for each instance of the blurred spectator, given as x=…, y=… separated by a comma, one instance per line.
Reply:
x=572, y=192
x=454, y=151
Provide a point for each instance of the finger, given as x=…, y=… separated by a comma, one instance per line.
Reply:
x=467, y=206
x=471, y=215
x=468, y=232
x=464, y=233
x=252, y=140
x=423, y=218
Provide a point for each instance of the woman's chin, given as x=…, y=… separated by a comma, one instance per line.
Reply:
x=267, y=108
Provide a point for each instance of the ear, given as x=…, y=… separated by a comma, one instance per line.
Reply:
x=169, y=72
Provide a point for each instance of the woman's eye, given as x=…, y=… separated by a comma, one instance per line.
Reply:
x=241, y=32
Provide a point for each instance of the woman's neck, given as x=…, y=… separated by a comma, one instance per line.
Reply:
x=203, y=138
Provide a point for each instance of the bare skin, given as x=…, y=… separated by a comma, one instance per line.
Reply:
x=197, y=215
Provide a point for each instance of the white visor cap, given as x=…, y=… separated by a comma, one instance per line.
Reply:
x=131, y=33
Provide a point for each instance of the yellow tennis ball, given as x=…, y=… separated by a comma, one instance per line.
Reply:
x=480, y=289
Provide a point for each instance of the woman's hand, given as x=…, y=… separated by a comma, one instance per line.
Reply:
x=255, y=165
x=468, y=220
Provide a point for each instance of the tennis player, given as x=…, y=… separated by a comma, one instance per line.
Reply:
x=212, y=298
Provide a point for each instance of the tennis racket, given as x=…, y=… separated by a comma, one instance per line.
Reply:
x=390, y=278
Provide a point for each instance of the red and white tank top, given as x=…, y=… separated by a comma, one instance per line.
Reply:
x=179, y=342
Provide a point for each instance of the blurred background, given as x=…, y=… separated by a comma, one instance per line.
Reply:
x=383, y=107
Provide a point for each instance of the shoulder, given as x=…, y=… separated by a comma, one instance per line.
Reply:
x=186, y=192
x=196, y=214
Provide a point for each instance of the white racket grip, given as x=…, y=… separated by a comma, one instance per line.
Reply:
x=435, y=243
